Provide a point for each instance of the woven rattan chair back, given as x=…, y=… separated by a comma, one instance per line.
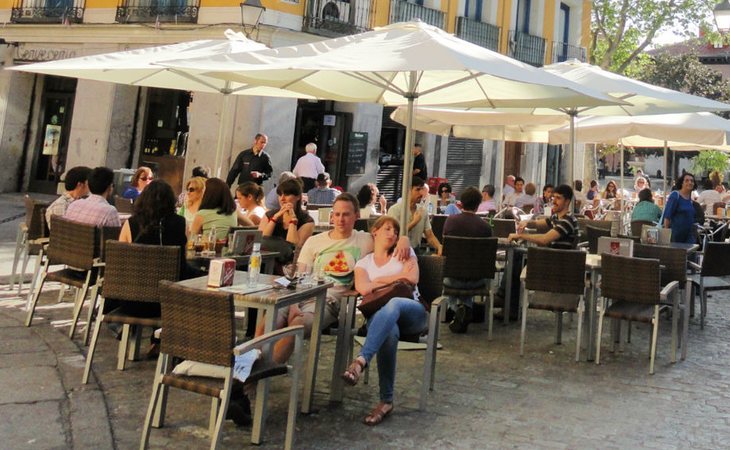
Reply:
x=503, y=227
x=569, y=278
x=674, y=261
x=469, y=258
x=593, y=233
x=630, y=279
x=636, y=226
x=35, y=218
x=197, y=325
x=431, y=276
x=73, y=244
x=133, y=271
x=716, y=262
x=437, y=226
x=123, y=205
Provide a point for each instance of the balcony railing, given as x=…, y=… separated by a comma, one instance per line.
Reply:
x=333, y=18
x=47, y=11
x=403, y=11
x=563, y=52
x=476, y=32
x=138, y=11
x=527, y=48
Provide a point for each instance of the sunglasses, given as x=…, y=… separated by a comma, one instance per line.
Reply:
x=192, y=189
x=146, y=178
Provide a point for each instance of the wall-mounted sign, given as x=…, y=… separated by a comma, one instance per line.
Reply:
x=329, y=120
x=357, y=153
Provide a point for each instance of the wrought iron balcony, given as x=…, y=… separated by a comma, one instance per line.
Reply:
x=563, y=52
x=527, y=48
x=47, y=11
x=140, y=11
x=479, y=33
x=334, y=18
x=403, y=11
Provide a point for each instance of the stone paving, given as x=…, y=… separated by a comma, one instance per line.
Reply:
x=486, y=395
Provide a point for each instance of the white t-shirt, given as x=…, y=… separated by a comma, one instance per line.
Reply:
x=707, y=198
x=258, y=211
x=392, y=267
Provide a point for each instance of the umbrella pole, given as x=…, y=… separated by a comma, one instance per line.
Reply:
x=221, y=132
x=571, y=155
x=666, y=165
x=500, y=175
x=621, y=213
x=408, y=158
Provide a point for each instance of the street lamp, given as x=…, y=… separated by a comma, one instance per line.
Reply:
x=722, y=15
x=251, y=12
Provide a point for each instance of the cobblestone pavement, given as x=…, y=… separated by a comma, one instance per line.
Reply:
x=486, y=395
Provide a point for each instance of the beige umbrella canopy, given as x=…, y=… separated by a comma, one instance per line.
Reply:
x=398, y=65
x=140, y=67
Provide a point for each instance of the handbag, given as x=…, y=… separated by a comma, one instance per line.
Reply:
x=375, y=300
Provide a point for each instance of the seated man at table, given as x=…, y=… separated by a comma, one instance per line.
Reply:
x=563, y=226
x=332, y=254
x=75, y=183
x=95, y=209
x=419, y=224
x=466, y=224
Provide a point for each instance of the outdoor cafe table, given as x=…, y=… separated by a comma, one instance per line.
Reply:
x=267, y=261
x=271, y=301
x=593, y=266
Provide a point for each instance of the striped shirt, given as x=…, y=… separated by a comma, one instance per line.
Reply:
x=93, y=210
x=567, y=226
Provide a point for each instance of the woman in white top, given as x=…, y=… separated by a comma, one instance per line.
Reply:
x=250, y=199
x=400, y=316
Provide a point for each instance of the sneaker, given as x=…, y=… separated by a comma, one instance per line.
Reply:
x=462, y=318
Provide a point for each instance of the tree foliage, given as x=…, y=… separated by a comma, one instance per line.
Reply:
x=621, y=30
x=710, y=161
x=684, y=72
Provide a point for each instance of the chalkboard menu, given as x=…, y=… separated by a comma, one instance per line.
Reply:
x=357, y=153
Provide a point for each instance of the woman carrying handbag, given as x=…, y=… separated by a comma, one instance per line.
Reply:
x=399, y=316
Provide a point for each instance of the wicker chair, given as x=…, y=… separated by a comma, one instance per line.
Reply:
x=714, y=273
x=430, y=285
x=637, y=225
x=76, y=246
x=123, y=205
x=593, y=234
x=543, y=288
x=437, y=225
x=471, y=259
x=132, y=273
x=637, y=297
x=503, y=227
x=32, y=234
x=210, y=338
x=674, y=262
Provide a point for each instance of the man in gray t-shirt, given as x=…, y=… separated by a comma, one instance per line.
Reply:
x=419, y=224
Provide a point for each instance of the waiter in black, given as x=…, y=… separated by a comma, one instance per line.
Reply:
x=253, y=164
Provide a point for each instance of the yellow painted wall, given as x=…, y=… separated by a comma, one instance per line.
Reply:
x=6, y=4
x=585, y=26
x=548, y=29
x=382, y=13
x=504, y=9
x=450, y=7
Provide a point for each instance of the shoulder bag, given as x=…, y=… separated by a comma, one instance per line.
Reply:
x=375, y=300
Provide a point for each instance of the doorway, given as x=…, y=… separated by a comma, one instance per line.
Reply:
x=317, y=122
x=512, y=157
x=49, y=156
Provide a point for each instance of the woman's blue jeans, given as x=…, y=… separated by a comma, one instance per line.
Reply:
x=399, y=316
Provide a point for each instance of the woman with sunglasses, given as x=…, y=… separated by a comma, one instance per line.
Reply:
x=445, y=197
x=142, y=177
x=193, y=196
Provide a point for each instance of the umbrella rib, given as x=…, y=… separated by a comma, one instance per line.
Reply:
x=472, y=76
x=377, y=80
x=197, y=80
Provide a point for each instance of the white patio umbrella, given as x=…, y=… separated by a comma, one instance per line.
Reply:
x=397, y=65
x=138, y=68
x=481, y=125
x=687, y=131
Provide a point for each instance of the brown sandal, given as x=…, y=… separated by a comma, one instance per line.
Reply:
x=352, y=374
x=378, y=414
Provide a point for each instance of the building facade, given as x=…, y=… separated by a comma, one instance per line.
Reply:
x=49, y=124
